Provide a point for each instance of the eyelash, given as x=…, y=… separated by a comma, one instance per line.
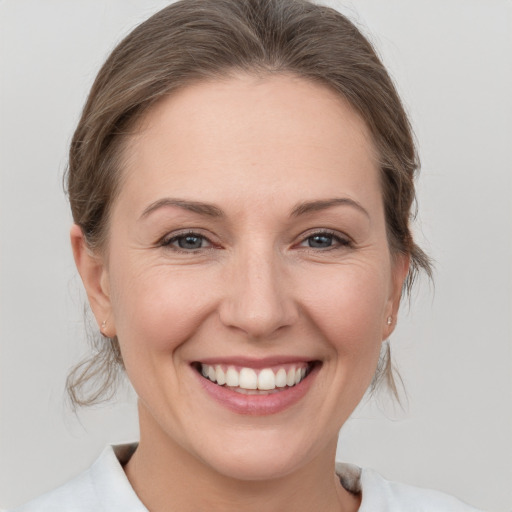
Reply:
x=340, y=241
x=167, y=242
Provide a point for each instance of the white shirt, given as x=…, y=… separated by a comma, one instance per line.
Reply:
x=105, y=488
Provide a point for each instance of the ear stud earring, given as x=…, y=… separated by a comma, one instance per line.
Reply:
x=103, y=325
x=389, y=321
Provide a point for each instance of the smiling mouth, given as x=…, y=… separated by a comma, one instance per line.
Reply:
x=250, y=381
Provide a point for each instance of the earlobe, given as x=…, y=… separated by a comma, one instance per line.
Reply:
x=93, y=271
x=399, y=274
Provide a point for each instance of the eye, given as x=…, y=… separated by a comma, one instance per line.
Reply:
x=187, y=242
x=320, y=241
x=325, y=240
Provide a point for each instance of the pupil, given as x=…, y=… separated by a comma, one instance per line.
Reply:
x=320, y=241
x=190, y=242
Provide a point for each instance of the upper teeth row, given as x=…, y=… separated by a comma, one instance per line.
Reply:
x=247, y=378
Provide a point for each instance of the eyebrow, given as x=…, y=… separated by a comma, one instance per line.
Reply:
x=210, y=210
x=323, y=204
x=193, y=206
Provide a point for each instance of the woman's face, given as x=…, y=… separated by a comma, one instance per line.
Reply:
x=248, y=243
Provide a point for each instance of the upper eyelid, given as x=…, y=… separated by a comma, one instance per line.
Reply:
x=170, y=237
x=334, y=233
x=340, y=241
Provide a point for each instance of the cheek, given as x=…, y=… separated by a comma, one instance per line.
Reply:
x=347, y=304
x=158, y=309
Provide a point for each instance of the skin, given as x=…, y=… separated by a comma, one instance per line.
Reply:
x=255, y=149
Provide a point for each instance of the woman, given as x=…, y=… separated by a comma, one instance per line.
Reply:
x=241, y=182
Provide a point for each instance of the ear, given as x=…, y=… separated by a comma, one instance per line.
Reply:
x=93, y=271
x=399, y=270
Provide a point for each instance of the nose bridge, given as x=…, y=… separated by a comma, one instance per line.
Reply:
x=259, y=299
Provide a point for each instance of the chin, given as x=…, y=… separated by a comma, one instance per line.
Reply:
x=268, y=455
x=255, y=464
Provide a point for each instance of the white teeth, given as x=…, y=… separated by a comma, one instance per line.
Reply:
x=243, y=391
x=281, y=378
x=248, y=379
x=290, y=377
x=231, y=377
x=221, y=376
x=266, y=379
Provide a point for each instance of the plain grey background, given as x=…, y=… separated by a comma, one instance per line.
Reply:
x=451, y=61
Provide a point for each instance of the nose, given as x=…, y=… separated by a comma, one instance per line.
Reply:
x=258, y=296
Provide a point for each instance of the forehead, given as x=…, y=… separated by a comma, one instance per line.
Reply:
x=247, y=135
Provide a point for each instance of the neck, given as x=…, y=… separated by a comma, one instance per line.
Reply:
x=165, y=476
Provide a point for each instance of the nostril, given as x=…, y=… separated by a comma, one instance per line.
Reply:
x=257, y=299
x=257, y=320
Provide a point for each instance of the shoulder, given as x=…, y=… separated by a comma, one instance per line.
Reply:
x=103, y=487
x=381, y=495
x=77, y=495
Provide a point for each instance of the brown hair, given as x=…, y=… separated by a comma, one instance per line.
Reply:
x=193, y=40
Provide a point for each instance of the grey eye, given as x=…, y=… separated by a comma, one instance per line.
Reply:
x=189, y=242
x=321, y=241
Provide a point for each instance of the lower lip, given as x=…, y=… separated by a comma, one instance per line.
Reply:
x=258, y=405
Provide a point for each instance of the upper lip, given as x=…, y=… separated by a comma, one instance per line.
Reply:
x=256, y=363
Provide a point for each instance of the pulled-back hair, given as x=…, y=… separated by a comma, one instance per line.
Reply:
x=195, y=40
